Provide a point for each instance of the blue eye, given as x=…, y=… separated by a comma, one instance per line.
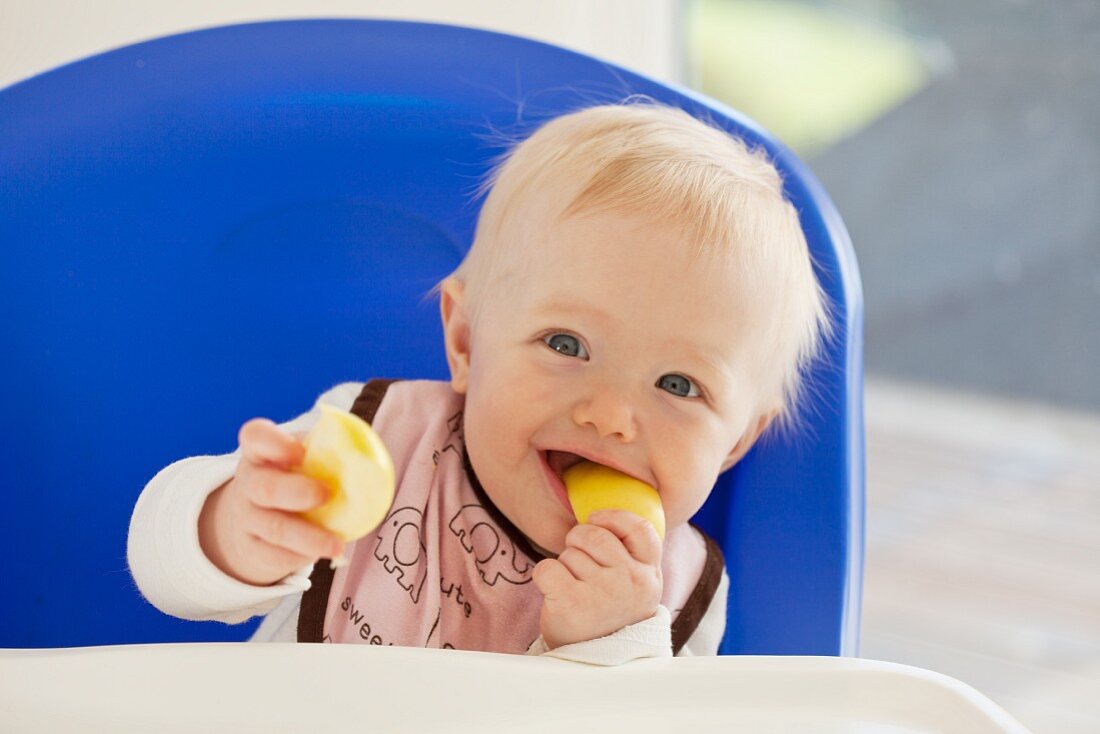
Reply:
x=566, y=344
x=679, y=386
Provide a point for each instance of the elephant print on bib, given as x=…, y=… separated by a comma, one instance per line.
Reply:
x=494, y=552
x=402, y=551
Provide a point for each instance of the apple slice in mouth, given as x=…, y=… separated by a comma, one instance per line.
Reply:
x=592, y=487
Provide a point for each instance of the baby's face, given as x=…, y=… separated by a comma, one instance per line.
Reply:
x=606, y=340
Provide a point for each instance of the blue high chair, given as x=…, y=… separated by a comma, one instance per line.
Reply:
x=221, y=224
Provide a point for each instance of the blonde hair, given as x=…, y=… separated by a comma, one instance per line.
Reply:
x=661, y=162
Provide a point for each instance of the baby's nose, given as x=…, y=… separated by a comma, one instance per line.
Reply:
x=609, y=411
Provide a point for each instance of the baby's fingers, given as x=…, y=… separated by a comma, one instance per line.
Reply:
x=280, y=490
x=263, y=442
x=580, y=564
x=552, y=578
x=638, y=535
x=292, y=533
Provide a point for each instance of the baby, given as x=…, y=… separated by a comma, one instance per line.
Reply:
x=639, y=294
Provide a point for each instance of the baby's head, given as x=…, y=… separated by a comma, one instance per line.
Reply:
x=639, y=293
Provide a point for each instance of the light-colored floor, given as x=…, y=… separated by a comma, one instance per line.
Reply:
x=983, y=548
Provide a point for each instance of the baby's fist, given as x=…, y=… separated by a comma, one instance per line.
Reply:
x=250, y=527
x=608, y=577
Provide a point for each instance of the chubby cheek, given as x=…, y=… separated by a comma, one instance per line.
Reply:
x=498, y=413
x=687, y=496
x=487, y=427
x=688, y=477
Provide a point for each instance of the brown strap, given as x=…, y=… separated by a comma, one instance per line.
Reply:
x=699, y=601
x=518, y=539
x=311, y=613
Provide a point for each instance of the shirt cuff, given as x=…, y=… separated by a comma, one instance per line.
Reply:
x=650, y=638
x=190, y=585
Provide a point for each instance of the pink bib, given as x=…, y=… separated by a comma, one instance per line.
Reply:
x=446, y=568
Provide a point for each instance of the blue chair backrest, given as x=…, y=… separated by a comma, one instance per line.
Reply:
x=221, y=224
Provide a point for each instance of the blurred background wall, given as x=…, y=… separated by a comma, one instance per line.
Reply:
x=961, y=143
x=36, y=35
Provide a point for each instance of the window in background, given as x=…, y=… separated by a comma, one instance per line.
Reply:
x=960, y=142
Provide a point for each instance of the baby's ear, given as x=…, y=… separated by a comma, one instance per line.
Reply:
x=456, y=331
x=748, y=438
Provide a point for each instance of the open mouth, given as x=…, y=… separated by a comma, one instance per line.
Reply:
x=559, y=461
x=554, y=465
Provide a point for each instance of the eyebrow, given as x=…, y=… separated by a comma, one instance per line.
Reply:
x=574, y=307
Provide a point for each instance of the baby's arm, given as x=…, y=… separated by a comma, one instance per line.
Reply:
x=166, y=557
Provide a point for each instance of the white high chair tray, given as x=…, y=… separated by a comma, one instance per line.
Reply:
x=272, y=687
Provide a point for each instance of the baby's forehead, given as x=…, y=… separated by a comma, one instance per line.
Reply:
x=641, y=267
x=636, y=265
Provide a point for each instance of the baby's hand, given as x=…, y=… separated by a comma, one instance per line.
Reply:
x=608, y=576
x=250, y=527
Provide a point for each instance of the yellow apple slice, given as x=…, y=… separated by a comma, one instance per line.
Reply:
x=592, y=487
x=345, y=453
